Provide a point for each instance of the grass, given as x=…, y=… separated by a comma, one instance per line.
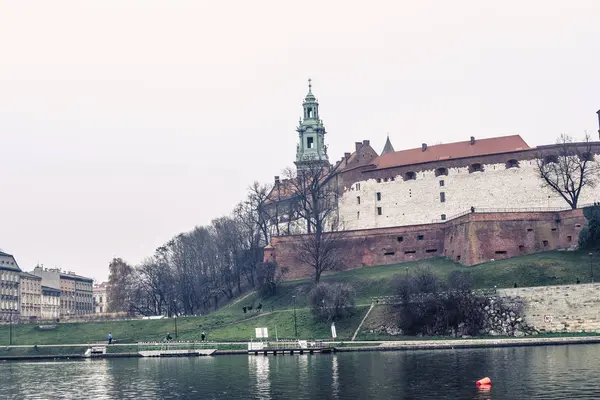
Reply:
x=231, y=324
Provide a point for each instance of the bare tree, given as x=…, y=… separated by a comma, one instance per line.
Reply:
x=569, y=168
x=120, y=281
x=323, y=246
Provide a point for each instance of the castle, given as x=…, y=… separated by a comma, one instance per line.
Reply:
x=432, y=188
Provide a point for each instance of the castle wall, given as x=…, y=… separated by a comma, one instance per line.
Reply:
x=419, y=201
x=469, y=239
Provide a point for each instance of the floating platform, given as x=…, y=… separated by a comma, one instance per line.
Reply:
x=287, y=347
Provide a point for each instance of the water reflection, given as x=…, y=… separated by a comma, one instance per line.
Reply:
x=335, y=386
x=259, y=368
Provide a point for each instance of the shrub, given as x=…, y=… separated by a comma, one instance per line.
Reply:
x=331, y=302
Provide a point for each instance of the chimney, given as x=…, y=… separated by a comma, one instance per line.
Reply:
x=424, y=147
x=276, y=180
x=358, y=145
x=347, y=156
x=472, y=139
x=366, y=142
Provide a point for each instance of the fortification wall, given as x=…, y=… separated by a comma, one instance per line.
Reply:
x=566, y=308
x=384, y=199
x=470, y=239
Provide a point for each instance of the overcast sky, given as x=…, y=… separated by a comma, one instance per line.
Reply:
x=123, y=123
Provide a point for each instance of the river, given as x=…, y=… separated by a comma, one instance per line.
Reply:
x=550, y=372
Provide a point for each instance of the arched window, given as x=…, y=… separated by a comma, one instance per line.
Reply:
x=410, y=176
x=512, y=164
x=441, y=171
x=475, y=168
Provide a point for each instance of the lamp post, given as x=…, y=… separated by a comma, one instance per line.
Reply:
x=406, y=271
x=10, y=328
x=591, y=269
x=175, y=317
x=295, y=324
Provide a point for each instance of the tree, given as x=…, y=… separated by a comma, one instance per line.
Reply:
x=589, y=237
x=323, y=247
x=330, y=302
x=120, y=286
x=569, y=168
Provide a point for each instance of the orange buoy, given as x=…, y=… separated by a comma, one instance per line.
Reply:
x=484, y=382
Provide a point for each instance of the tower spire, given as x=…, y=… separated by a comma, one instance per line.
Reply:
x=311, y=133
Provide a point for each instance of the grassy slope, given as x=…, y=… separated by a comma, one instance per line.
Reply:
x=229, y=323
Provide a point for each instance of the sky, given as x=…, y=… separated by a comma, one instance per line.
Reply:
x=124, y=123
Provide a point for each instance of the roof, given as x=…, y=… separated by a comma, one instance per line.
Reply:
x=30, y=276
x=14, y=266
x=50, y=289
x=481, y=147
x=388, y=148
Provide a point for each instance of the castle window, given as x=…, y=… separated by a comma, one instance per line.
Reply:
x=389, y=253
x=420, y=237
x=309, y=113
x=309, y=142
x=550, y=159
x=521, y=247
x=357, y=199
x=378, y=180
x=442, y=183
x=458, y=258
x=358, y=186
x=410, y=252
x=410, y=176
x=569, y=238
x=545, y=243
x=379, y=211
x=442, y=197
x=475, y=168
x=500, y=251
x=378, y=196
x=443, y=217
x=441, y=171
x=431, y=251
x=512, y=164
x=358, y=215
x=400, y=238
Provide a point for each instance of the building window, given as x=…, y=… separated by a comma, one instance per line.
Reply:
x=400, y=238
x=442, y=183
x=357, y=199
x=431, y=251
x=358, y=186
x=309, y=142
x=358, y=215
x=512, y=164
x=569, y=238
x=550, y=159
x=420, y=237
x=410, y=176
x=443, y=217
x=441, y=171
x=500, y=251
x=475, y=168
x=389, y=253
x=378, y=196
x=442, y=197
x=385, y=179
x=379, y=211
x=378, y=180
x=545, y=243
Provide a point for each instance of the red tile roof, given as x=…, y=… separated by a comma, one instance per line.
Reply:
x=448, y=151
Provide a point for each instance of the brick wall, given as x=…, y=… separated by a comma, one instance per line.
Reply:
x=566, y=308
x=470, y=239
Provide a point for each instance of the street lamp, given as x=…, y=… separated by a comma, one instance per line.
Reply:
x=295, y=324
x=591, y=269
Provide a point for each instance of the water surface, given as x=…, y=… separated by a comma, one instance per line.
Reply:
x=552, y=372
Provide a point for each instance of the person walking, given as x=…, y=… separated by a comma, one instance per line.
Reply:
x=109, y=338
x=203, y=336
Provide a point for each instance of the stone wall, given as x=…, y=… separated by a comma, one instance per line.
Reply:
x=565, y=308
x=374, y=199
x=469, y=239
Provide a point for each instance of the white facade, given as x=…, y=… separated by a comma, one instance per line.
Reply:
x=100, y=299
x=50, y=303
x=419, y=201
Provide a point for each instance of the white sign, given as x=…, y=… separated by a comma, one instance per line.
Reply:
x=333, y=332
x=256, y=346
x=262, y=333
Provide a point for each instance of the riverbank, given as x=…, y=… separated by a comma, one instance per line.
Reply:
x=230, y=349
